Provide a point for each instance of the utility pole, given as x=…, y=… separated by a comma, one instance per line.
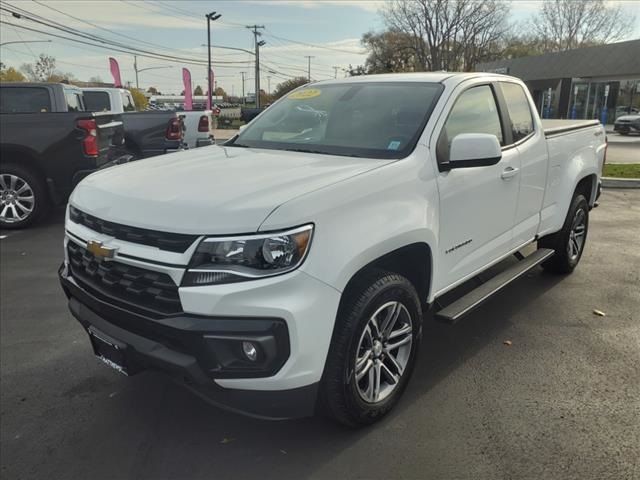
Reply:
x=211, y=17
x=135, y=67
x=269, y=84
x=335, y=70
x=254, y=29
x=309, y=57
x=243, y=97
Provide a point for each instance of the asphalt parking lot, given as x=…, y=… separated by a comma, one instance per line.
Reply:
x=561, y=402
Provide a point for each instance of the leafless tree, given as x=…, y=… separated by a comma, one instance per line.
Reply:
x=568, y=24
x=450, y=34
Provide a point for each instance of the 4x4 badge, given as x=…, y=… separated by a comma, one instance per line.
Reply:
x=100, y=250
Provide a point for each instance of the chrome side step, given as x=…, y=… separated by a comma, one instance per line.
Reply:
x=458, y=309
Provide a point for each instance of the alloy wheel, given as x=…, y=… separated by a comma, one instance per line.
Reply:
x=17, y=199
x=577, y=234
x=383, y=352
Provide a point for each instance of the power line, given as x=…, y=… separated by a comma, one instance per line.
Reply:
x=312, y=45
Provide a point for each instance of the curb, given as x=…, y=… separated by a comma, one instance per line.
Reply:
x=610, y=182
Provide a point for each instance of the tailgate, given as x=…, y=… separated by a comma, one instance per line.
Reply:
x=110, y=137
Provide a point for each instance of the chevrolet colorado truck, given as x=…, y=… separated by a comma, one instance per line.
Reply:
x=48, y=143
x=288, y=271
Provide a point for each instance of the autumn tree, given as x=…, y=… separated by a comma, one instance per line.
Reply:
x=198, y=90
x=10, y=74
x=139, y=98
x=568, y=24
x=288, y=85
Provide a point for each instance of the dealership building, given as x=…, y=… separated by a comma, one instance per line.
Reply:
x=587, y=82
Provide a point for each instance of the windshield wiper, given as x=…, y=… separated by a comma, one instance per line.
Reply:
x=304, y=150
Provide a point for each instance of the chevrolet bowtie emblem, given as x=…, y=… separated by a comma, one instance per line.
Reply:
x=100, y=250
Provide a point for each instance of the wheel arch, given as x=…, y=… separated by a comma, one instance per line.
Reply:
x=588, y=186
x=413, y=261
x=23, y=157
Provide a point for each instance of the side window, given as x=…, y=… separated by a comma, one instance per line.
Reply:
x=475, y=111
x=127, y=102
x=97, y=101
x=519, y=110
x=24, y=100
x=73, y=102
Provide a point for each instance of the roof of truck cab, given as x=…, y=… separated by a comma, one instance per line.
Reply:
x=431, y=77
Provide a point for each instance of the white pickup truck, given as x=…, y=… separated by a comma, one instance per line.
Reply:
x=289, y=269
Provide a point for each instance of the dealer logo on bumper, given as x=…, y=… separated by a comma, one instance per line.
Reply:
x=100, y=251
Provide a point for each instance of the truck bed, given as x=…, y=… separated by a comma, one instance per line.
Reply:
x=555, y=127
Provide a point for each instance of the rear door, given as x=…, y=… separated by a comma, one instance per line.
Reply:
x=477, y=204
x=528, y=140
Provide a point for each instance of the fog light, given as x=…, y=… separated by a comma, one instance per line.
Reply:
x=250, y=351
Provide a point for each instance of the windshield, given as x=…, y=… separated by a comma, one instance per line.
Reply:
x=375, y=119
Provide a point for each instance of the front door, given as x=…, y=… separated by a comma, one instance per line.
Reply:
x=477, y=204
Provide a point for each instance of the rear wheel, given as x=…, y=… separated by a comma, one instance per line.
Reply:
x=569, y=242
x=23, y=197
x=373, y=349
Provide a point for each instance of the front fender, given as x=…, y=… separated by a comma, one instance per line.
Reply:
x=365, y=217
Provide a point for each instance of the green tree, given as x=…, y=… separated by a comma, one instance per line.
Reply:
x=198, y=90
x=219, y=92
x=288, y=85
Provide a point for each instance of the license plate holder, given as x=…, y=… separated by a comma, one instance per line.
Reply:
x=109, y=350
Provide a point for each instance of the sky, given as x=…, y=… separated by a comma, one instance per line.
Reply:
x=327, y=30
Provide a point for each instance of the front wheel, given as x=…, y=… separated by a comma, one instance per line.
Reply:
x=569, y=242
x=373, y=349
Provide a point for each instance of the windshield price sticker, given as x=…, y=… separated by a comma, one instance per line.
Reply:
x=306, y=93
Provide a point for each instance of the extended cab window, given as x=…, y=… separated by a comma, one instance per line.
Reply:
x=127, y=103
x=74, y=103
x=475, y=111
x=519, y=110
x=24, y=100
x=97, y=101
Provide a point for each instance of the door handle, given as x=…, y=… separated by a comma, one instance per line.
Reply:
x=509, y=172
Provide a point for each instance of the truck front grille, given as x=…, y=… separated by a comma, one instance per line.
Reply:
x=172, y=242
x=126, y=286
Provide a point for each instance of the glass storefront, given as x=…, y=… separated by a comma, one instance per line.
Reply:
x=603, y=100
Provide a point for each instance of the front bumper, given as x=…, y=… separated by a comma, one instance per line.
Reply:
x=626, y=127
x=187, y=347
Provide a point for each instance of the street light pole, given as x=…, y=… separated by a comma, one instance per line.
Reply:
x=211, y=17
x=25, y=41
x=243, y=97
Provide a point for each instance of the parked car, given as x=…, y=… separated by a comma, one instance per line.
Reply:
x=198, y=128
x=626, y=110
x=147, y=133
x=627, y=124
x=291, y=268
x=48, y=143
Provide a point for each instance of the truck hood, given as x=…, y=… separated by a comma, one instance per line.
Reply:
x=629, y=118
x=211, y=190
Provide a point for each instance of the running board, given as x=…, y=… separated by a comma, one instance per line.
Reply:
x=458, y=309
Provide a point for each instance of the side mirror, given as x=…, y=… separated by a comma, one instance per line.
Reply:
x=473, y=150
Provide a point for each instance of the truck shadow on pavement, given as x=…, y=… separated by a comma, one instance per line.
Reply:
x=210, y=441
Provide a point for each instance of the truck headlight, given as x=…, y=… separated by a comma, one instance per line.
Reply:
x=235, y=259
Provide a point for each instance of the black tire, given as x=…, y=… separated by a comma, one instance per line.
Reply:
x=339, y=391
x=564, y=259
x=41, y=202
